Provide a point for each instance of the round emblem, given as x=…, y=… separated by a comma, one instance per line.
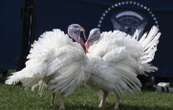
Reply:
x=127, y=16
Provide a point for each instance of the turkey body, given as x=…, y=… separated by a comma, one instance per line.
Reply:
x=54, y=62
x=127, y=55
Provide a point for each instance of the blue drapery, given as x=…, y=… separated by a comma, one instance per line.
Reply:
x=61, y=13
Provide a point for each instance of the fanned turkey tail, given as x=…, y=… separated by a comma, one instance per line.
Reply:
x=149, y=42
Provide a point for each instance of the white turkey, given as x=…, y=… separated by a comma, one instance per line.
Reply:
x=61, y=65
x=55, y=62
x=128, y=55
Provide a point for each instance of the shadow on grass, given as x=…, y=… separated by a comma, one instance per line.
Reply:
x=81, y=107
x=110, y=107
x=133, y=107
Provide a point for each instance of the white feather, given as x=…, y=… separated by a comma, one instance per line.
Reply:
x=110, y=78
x=55, y=60
x=128, y=55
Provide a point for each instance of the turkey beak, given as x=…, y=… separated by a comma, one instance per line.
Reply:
x=86, y=45
x=83, y=31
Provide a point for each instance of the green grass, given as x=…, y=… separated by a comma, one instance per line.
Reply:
x=18, y=98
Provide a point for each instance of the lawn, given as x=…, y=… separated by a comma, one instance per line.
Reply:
x=18, y=98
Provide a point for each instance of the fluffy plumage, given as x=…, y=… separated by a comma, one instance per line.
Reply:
x=112, y=62
x=52, y=57
x=117, y=45
x=128, y=55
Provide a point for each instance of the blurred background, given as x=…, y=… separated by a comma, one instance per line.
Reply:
x=22, y=21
